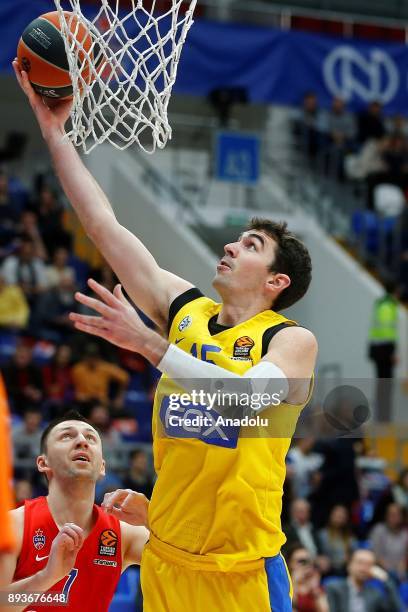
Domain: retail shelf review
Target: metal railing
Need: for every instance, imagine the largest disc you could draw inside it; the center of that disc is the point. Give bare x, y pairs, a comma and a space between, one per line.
283, 15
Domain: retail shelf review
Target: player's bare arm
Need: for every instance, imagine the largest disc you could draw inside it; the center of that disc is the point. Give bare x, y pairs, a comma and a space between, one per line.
64, 550
292, 351
149, 286
133, 543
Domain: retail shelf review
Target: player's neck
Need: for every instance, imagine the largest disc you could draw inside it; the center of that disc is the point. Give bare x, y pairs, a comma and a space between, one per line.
232, 314
72, 503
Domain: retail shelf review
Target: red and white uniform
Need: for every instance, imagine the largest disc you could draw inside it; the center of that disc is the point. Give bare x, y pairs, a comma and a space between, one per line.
92, 582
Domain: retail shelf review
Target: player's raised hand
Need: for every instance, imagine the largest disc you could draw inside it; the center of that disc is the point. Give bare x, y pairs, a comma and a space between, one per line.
64, 550
128, 506
51, 115
118, 322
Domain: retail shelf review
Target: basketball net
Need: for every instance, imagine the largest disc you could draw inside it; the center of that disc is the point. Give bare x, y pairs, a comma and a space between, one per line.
133, 62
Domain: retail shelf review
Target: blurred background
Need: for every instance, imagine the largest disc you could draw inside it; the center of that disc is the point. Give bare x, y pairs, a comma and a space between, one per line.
295, 111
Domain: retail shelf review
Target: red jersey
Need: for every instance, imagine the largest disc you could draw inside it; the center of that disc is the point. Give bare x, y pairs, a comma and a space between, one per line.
91, 584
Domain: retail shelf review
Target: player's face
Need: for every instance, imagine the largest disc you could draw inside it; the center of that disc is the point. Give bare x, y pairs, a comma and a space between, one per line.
246, 263
74, 450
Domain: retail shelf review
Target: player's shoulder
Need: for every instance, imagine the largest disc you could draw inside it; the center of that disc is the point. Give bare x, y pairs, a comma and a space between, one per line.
17, 519
296, 335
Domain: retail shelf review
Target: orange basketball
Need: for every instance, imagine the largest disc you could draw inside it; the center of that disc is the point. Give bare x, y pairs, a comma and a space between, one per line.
41, 53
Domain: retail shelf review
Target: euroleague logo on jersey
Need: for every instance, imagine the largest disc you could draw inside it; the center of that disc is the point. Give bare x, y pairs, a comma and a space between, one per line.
108, 542
185, 323
242, 348
39, 539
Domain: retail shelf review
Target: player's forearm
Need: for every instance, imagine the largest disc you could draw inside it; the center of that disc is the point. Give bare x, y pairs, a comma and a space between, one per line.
38, 583
197, 375
82, 190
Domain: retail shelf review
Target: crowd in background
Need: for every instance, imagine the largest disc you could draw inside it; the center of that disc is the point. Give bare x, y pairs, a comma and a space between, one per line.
370, 152
47, 366
346, 527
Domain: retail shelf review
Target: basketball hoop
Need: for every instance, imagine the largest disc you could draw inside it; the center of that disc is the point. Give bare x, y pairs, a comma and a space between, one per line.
133, 59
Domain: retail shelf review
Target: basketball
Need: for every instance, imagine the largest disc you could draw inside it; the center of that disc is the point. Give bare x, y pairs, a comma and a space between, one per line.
41, 53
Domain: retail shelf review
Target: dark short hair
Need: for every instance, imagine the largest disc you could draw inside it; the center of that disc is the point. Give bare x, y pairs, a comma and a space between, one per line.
289, 551
291, 258
72, 415
137, 452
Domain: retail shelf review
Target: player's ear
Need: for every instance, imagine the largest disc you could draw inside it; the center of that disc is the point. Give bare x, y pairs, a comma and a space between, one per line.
278, 281
42, 465
102, 473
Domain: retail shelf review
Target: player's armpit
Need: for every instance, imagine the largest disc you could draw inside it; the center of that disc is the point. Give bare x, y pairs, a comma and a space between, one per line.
133, 542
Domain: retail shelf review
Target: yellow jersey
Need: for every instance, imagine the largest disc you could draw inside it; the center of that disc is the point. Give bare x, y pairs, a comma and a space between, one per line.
219, 489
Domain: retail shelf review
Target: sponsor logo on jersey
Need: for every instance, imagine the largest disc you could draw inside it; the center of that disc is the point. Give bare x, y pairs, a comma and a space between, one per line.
242, 348
41, 558
108, 543
39, 539
105, 562
185, 323
207, 430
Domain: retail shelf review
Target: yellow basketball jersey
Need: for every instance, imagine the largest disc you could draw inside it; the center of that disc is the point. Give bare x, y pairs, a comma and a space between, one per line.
217, 493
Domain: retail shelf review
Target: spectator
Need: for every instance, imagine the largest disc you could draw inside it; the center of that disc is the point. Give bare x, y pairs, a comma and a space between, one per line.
29, 227
50, 220
53, 322
59, 270
14, 310
400, 490
57, 378
368, 161
92, 377
355, 594
308, 594
100, 418
27, 435
23, 380
338, 481
302, 466
311, 125
29, 273
341, 124
394, 154
9, 213
390, 542
397, 125
337, 541
342, 132
23, 489
301, 530
370, 123
138, 477
383, 341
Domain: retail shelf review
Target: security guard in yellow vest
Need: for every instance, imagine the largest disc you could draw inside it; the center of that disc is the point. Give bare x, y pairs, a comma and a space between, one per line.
383, 344
384, 335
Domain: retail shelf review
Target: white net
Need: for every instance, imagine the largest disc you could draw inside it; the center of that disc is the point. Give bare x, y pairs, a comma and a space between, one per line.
123, 68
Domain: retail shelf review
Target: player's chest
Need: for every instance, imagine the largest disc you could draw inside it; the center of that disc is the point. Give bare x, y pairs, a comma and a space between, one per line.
234, 350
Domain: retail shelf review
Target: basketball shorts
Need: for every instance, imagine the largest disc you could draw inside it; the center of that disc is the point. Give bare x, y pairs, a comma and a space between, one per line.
176, 581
